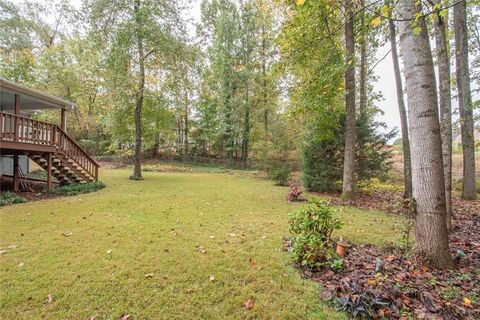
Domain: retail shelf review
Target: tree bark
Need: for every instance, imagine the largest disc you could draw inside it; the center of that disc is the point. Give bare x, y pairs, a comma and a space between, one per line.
137, 171
431, 235
407, 164
348, 191
363, 88
465, 104
363, 65
443, 61
264, 81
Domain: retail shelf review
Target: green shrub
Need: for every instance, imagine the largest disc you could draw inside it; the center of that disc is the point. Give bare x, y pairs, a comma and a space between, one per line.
311, 227
77, 188
374, 185
280, 175
323, 153
8, 198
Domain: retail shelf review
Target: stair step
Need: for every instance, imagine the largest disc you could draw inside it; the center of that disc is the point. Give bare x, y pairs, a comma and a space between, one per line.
64, 169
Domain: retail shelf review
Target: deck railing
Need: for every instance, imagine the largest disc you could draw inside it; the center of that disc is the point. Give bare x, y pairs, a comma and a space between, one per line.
21, 129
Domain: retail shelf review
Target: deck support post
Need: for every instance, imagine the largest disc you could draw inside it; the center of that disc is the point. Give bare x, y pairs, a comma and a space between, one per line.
16, 177
49, 170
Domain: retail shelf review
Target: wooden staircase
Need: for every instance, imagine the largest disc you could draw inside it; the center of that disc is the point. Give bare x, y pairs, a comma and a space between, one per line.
43, 142
65, 170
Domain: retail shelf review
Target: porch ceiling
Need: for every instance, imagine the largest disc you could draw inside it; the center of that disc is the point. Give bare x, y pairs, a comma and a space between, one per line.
30, 99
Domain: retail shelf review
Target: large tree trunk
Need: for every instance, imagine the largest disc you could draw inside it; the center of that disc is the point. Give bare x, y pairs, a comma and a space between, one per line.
137, 170
407, 164
431, 235
350, 134
443, 61
465, 104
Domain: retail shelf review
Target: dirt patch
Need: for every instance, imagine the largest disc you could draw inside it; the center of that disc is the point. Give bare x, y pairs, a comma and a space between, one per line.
38, 190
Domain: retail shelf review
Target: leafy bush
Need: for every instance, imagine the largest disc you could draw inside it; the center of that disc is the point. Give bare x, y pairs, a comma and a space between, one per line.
337, 264
281, 175
8, 198
311, 227
78, 188
295, 194
374, 185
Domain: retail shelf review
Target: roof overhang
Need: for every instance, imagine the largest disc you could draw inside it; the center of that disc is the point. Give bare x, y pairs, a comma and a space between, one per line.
30, 99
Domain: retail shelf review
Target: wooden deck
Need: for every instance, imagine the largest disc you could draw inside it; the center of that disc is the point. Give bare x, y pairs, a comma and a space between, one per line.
49, 146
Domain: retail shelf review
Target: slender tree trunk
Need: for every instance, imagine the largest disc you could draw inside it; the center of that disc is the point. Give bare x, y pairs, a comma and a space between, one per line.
246, 128
350, 134
186, 124
407, 164
363, 65
137, 171
465, 104
230, 143
363, 88
264, 81
443, 61
431, 235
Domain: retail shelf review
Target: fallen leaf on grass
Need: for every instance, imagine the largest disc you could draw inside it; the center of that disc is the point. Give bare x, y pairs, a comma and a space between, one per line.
67, 234
231, 235
50, 297
202, 250
124, 317
149, 275
92, 318
12, 246
109, 251
248, 304
211, 278
253, 264
21, 264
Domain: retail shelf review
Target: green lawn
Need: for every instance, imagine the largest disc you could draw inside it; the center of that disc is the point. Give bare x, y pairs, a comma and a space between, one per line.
93, 252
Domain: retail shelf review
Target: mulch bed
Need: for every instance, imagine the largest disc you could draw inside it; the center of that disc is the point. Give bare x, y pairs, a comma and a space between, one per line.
38, 193
405, 288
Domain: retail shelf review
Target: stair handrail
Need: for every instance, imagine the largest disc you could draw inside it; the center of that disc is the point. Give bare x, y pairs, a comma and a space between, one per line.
60, 140
63, 139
